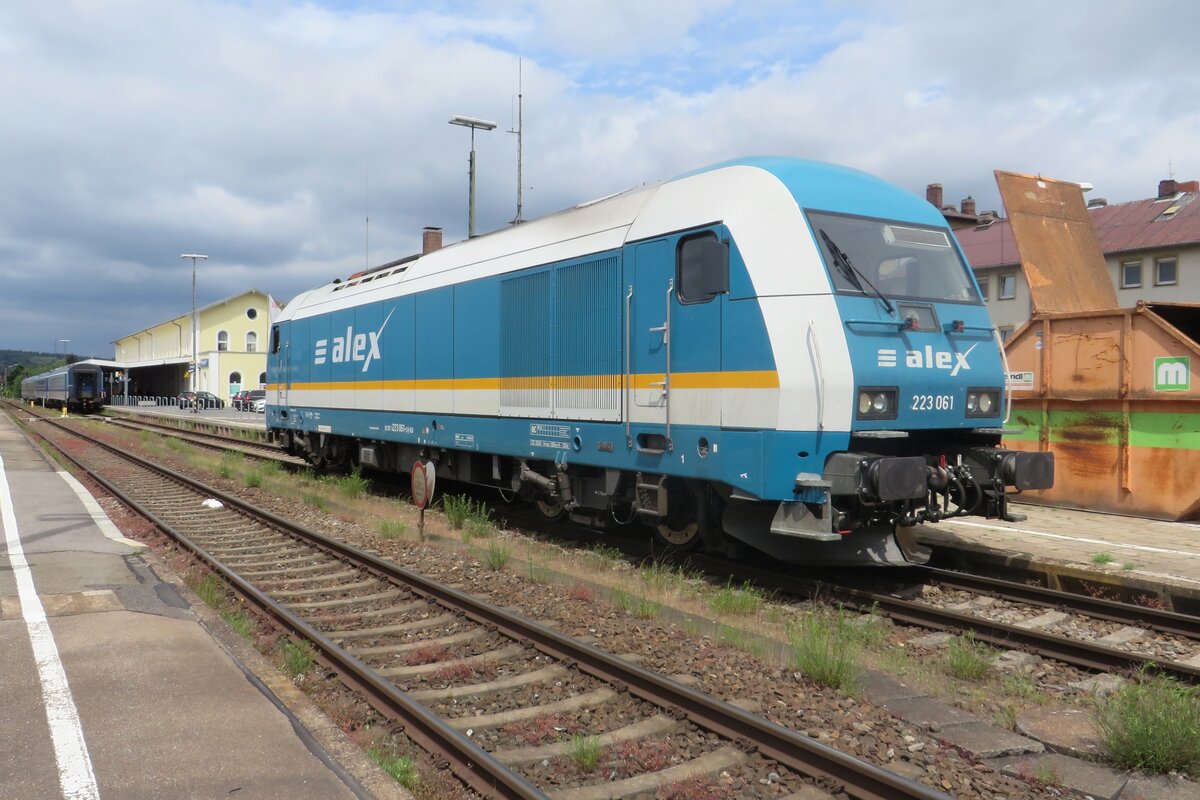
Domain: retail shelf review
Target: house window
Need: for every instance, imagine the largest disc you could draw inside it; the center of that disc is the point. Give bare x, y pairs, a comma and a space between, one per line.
1131, 274
1005, 332
1166, 271
984, 287
262, 380
251, 313
235, 381
251, 342
222, 340
1008, 287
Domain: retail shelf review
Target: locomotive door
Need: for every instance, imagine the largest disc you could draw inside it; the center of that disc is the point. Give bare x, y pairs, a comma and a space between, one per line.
675, 347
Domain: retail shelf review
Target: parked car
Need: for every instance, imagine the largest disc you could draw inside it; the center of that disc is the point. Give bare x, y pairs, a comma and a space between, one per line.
199, 399
260, 405
244, 400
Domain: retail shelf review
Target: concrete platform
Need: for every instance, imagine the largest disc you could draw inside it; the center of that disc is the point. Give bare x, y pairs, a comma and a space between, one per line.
109, 684
1068, 545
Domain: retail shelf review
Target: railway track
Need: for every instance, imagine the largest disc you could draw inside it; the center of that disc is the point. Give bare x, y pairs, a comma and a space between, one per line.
420, 652
210, 440
1047, 610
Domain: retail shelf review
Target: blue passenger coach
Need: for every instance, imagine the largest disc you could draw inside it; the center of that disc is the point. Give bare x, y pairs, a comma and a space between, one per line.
77, 387
772, 352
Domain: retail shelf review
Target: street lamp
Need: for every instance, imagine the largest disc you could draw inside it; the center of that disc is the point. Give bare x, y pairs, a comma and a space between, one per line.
64, 343
473, 124
194, 257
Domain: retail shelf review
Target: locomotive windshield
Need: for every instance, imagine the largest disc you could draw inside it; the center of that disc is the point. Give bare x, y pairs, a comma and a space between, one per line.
892, 259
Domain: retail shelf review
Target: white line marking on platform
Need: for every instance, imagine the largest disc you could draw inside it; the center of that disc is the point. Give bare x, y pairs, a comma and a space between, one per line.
75, 775
101, 519
1104, 542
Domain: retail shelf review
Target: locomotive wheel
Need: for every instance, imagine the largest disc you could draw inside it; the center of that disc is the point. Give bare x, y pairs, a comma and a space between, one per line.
679, 539
550, 509
679, 530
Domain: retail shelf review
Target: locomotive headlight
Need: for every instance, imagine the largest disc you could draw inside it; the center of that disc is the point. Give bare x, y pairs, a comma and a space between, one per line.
877, 403
983, 402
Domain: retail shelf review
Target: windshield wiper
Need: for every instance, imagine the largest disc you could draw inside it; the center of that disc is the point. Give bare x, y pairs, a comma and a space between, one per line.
853, 273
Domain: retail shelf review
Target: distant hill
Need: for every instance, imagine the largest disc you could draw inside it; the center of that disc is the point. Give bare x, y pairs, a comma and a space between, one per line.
19, 364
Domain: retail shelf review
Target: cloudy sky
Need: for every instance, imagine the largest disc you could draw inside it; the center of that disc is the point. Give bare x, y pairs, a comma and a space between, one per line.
266, 133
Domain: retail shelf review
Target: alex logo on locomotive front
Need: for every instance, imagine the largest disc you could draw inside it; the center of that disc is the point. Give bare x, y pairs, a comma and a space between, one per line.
352, 347
927, 358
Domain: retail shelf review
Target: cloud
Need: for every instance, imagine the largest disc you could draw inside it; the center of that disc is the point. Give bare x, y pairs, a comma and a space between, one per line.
265, 133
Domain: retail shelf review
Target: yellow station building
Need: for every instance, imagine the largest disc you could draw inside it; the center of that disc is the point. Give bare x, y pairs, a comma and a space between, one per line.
153, 365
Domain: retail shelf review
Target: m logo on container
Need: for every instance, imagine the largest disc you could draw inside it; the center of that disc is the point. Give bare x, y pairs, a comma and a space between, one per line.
1172, 374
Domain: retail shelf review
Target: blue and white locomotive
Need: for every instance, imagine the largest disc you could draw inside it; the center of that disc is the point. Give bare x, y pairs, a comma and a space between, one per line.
774, 352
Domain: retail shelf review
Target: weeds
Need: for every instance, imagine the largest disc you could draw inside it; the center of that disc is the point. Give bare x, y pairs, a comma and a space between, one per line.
1102, 558
460, 508
638, 606
253, 479
241, 623
352, 485
316, 501
535, 572
968, 659
602, 557
822, 649
297, 657
584, 751
1129, 566
659, 576
425, 654
741, 640
393, 528
474, 528
497, 556
1150, 724
402, 768
738, 601
210, 590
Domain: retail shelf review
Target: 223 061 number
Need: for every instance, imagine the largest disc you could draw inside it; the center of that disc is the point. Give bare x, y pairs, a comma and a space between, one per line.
933, 402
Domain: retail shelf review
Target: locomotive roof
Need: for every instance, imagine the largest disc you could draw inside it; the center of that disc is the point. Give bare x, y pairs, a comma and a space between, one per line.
607, 223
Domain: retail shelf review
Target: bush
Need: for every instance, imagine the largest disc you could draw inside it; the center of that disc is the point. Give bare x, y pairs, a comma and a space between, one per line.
1150, 724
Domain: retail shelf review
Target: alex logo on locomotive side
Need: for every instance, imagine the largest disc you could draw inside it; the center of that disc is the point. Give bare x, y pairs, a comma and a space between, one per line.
353, 346
926, 358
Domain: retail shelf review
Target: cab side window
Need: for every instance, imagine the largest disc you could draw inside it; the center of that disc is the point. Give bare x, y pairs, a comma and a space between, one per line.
701, 268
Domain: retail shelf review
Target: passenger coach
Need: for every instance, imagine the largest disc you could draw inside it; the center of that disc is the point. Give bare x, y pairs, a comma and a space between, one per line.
78, 387
773, 352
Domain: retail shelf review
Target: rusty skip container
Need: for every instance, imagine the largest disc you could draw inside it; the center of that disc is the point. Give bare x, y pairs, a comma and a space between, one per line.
1113, 394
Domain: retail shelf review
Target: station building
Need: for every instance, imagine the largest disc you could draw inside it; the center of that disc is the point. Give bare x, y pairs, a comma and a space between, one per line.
1151, 247
153, 365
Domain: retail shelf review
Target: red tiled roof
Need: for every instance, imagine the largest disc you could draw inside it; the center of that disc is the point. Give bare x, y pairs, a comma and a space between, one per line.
1124, 227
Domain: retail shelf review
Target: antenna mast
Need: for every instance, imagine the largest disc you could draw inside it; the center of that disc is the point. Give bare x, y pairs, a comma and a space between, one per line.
520, 149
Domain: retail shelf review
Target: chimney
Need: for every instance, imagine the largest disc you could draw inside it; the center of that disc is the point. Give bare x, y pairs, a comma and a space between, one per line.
933, 193
1189, 186
1168, 187
431, 239
1097, 202
968, 206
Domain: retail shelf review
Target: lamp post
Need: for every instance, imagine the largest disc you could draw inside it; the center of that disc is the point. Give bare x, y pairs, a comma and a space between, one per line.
195, 365
64, 343
473, 124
